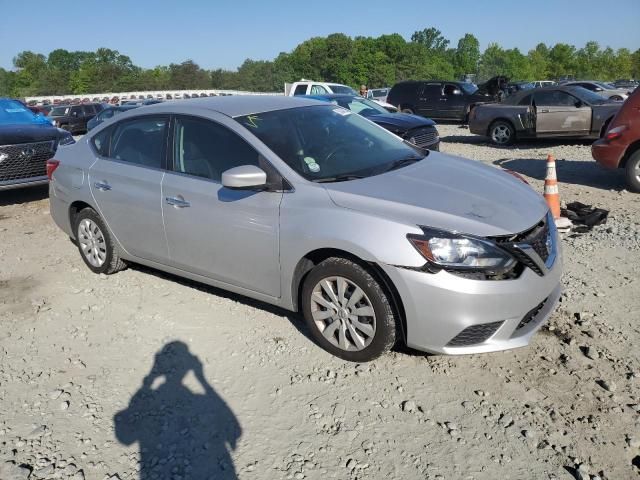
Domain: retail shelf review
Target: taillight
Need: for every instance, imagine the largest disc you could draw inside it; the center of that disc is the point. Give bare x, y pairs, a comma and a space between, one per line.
52, 164
615, 132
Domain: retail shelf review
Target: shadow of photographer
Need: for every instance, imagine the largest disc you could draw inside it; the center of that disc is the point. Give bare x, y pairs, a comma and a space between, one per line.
181, 434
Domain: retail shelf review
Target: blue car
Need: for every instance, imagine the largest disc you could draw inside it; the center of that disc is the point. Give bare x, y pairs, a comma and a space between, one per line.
416, 130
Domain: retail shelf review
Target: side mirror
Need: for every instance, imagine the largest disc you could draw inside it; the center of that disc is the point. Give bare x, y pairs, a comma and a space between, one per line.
598, 89
244, 176
457, 91
579, 104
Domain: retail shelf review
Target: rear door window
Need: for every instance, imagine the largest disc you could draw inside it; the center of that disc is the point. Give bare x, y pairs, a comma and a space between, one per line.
432, 90
140, 141
554, 98
300, 90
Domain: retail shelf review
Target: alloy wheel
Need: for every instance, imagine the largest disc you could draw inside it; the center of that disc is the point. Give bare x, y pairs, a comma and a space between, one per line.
92, 242
343, 313
501, 134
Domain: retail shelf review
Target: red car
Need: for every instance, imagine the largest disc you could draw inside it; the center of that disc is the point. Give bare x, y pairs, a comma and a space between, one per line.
619, 147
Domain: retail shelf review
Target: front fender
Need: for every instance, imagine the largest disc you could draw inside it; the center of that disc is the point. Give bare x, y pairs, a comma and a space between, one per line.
305, 228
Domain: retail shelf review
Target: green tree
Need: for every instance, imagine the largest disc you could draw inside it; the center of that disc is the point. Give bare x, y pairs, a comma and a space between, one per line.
431, 38
467, 56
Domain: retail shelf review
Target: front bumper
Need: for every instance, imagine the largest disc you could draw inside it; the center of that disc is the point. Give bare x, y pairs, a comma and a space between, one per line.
24, 182
502, 314
608, 154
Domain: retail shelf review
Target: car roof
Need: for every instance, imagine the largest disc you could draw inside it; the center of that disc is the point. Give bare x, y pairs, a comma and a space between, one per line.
234, 105
332, 96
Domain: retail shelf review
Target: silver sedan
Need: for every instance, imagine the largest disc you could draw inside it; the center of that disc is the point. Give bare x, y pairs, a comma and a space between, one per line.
304, 205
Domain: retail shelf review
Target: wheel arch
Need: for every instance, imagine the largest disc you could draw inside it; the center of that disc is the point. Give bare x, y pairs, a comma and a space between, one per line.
631, 149
74, 209
314, 257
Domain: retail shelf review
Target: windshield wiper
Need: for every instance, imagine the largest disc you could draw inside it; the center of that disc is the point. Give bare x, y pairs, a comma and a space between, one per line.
403, 162
339, 178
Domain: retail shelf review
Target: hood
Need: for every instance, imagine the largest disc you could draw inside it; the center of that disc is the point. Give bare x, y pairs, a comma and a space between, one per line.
37, 132
446, 192
401, 121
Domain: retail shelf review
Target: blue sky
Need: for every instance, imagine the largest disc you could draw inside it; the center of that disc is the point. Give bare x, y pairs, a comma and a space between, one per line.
224, 33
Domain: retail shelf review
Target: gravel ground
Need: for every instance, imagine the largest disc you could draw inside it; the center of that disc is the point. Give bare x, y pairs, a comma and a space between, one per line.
144, 375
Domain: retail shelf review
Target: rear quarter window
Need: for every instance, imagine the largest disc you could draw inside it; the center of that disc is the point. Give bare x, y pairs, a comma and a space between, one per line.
101, 140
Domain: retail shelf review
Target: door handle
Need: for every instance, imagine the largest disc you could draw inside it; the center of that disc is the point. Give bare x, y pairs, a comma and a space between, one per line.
443, 99
544, 110
177, 202
102, 186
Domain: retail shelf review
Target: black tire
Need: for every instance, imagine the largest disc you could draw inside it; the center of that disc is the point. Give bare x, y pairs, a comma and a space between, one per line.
632, 172
408, 110
616, 98
505, 127
384, 320
112, 262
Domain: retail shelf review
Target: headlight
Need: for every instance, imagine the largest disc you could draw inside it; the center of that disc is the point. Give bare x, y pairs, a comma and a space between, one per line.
461, 252
66, 139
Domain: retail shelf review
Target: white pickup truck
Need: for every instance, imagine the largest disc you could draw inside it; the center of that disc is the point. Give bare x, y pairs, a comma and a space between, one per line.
308, 87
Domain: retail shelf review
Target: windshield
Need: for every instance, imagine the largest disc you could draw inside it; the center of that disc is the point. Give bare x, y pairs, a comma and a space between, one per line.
343, 89
469, 88
359, 105
14, 113
59, 111
587, 95
326, 142
606, 86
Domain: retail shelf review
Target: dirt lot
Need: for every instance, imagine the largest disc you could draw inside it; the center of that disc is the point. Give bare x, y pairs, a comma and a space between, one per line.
246, 394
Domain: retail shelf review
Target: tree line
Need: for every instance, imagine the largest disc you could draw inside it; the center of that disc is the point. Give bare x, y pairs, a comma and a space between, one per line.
375, 62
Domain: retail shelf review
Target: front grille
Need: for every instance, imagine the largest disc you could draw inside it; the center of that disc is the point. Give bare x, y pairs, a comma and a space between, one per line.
531, 315
423, 137
536, 237
25, 160
474, 334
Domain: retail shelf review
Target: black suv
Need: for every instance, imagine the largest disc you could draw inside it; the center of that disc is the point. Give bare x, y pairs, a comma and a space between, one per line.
74, 118
443, 100
27, 141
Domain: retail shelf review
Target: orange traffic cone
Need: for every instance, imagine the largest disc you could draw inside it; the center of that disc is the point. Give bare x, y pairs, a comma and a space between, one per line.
551, 194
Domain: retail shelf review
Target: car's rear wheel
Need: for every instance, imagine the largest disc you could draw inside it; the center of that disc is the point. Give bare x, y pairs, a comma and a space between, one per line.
95, 243
632, 170
347, 311
502, 133
408, 110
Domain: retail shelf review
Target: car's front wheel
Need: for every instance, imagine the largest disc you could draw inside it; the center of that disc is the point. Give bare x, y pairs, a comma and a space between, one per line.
502, 133
632, 171
95, 243
347, 311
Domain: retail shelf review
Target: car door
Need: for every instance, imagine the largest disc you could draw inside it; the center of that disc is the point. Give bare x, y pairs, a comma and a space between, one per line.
125, 182
429, 99
558, 112
75, 121
228, 235
453, 103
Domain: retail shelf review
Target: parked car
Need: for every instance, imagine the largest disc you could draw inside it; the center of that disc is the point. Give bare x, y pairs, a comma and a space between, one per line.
543, 112
442, 100
27, 141
308, 87
108, 113
543, 83
414, 129
605, 90
513, 87
74, 118
626, 84
619, 145
300, 204
378, 94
